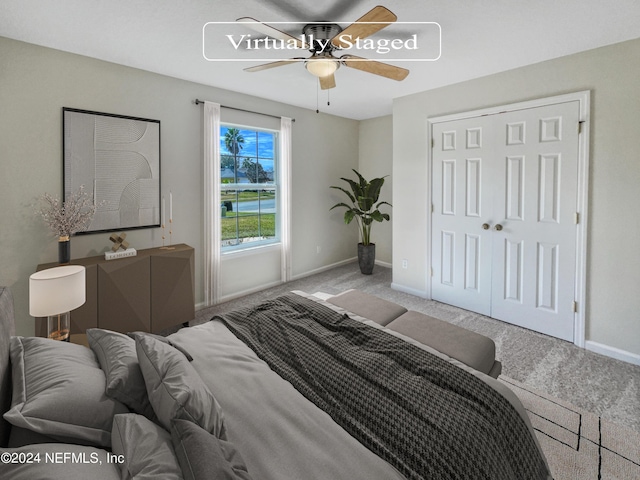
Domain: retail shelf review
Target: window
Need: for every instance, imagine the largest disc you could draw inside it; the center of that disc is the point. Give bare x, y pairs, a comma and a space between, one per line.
280, 184
248, 187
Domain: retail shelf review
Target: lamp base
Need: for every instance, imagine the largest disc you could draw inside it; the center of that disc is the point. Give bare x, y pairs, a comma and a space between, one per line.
59, 327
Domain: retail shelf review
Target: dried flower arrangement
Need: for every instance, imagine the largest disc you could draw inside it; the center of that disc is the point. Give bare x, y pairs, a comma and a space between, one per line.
65, 219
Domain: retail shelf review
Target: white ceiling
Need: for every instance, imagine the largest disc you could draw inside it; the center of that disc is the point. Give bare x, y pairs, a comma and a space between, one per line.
479, 37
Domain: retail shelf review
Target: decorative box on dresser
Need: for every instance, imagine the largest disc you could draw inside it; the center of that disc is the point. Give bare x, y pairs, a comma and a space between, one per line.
150, 292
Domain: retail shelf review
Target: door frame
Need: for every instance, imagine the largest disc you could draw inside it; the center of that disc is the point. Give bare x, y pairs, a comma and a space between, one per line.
582, 201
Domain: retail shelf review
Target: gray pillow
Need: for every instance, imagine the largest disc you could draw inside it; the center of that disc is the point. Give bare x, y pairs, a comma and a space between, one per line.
118, 359
163, 340
174, 387
144, 448
202, 456
59, 391
94, 464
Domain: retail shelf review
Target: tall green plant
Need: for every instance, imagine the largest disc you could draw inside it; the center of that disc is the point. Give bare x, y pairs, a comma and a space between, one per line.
364, 206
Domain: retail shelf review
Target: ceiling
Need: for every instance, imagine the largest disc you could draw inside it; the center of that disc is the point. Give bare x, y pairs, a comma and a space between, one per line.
478, 38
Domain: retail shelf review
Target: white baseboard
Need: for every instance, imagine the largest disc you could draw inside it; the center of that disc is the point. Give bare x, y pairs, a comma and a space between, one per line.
323, 269
383, 264
249, 291
409, 290
233, 296
226, 298
613, 352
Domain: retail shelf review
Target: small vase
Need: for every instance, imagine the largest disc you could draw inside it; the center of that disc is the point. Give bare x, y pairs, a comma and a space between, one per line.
64, 249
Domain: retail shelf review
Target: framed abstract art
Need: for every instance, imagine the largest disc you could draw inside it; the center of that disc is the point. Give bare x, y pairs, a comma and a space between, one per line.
117, 160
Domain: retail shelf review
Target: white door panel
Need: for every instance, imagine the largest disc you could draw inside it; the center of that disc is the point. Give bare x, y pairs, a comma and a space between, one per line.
461, 249
539, 216
515, 173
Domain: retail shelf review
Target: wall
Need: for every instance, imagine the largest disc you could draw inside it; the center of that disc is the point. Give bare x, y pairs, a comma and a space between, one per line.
613, 273
376, 159
36, 82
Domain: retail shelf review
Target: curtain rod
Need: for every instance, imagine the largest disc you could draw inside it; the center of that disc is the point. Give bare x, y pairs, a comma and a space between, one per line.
198, 102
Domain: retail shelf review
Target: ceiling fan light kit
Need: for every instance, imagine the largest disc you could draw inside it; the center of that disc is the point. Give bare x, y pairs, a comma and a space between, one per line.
321, 66
322, 39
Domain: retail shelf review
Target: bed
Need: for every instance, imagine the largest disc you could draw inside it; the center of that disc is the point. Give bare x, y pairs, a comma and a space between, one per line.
294, 388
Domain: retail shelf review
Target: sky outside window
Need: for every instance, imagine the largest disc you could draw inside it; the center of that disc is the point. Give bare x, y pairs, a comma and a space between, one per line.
256, 144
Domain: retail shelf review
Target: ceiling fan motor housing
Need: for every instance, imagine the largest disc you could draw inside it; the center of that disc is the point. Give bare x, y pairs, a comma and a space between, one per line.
323, 38
320, 31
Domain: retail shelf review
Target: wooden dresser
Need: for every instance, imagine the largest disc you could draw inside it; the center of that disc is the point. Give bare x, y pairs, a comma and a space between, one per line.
150, 292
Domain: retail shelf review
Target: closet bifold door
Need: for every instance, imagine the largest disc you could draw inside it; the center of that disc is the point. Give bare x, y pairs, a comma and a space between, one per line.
534, 254
462, 216
504, 189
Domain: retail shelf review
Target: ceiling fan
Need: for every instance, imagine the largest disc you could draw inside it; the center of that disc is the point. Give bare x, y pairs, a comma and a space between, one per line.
327, 38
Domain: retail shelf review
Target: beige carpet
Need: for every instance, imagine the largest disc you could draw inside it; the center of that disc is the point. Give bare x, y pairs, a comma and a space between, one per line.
579, 445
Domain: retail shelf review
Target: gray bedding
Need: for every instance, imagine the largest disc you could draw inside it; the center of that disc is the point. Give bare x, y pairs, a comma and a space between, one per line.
423, 415
278, 432
7, 329
277, 445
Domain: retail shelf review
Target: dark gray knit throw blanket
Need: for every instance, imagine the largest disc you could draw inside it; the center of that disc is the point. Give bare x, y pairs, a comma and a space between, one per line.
426, 417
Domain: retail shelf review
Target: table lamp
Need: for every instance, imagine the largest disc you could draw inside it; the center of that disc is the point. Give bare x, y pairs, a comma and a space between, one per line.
53, 293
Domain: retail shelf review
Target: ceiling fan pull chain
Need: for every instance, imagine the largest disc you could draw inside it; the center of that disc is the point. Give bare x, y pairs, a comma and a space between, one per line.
328, 98
317, 97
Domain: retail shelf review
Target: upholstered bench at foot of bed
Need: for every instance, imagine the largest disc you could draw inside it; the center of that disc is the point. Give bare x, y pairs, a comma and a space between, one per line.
373, 308
468, 347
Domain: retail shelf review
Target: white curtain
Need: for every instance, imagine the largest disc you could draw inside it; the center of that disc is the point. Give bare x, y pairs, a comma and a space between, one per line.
285, 196
212, 215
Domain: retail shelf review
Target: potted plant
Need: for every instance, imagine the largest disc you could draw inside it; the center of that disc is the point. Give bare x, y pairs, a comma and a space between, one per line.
364, 208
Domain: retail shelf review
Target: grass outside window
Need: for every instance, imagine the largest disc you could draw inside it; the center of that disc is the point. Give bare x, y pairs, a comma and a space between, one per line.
247, 225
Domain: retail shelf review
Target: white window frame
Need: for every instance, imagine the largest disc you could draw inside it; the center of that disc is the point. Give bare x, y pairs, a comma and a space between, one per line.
231, 249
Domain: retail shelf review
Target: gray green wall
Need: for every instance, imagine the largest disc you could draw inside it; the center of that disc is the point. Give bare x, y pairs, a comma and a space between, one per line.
376, 160
613, 274
36, 82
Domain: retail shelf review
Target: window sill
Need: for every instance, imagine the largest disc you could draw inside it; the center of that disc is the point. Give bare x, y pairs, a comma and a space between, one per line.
252, 250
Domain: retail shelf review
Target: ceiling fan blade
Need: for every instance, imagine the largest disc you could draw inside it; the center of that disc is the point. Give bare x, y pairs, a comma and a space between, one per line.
377, 68
380, 15
327, 82
279, 63
271, 32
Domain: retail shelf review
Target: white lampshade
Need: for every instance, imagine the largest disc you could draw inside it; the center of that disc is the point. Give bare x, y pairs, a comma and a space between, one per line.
321, 67
56, 290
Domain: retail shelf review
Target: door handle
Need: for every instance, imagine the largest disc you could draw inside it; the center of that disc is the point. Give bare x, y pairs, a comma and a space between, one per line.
498, 227
486, 226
